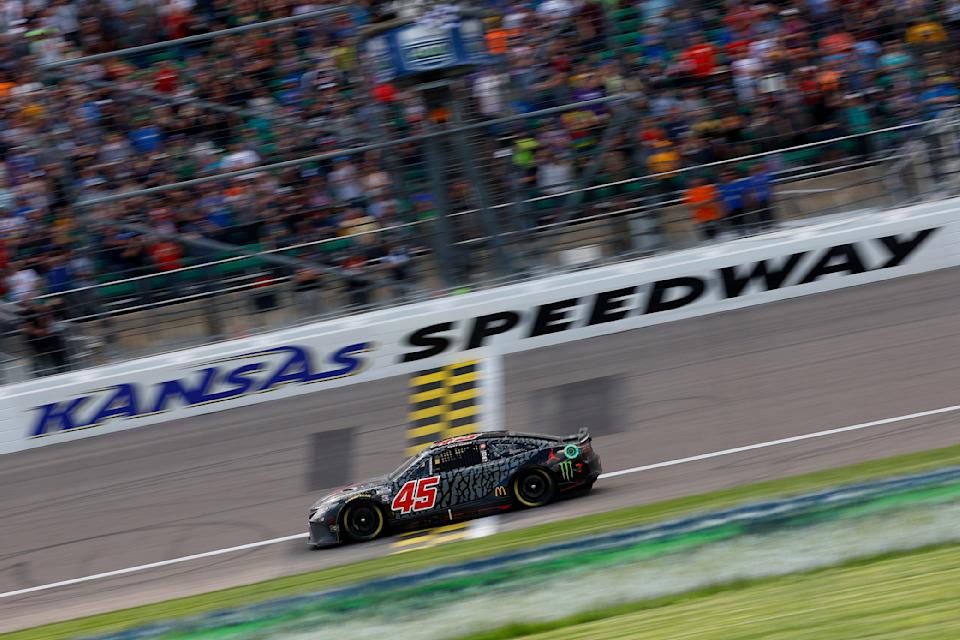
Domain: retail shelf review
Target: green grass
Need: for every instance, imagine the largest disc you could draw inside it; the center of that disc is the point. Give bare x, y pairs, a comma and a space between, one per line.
499, 543
903, 596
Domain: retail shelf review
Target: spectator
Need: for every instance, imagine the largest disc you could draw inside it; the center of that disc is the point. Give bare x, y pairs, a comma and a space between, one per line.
758, 197
23, 282
663, 162
43, 337
713, 82
940, 94
307, 287
554, 173
732, 190
358, 279
925, 32
704, 200
397, 261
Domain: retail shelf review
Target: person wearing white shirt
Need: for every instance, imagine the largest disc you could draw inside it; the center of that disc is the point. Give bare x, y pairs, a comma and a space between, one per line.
555, 9
22, 283
488, 88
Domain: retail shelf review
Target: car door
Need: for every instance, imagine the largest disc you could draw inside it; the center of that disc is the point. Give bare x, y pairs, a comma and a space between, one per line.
466, 475
415, 492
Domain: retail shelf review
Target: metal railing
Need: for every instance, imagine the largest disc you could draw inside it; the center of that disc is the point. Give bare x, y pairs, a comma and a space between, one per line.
239, 295
447, 203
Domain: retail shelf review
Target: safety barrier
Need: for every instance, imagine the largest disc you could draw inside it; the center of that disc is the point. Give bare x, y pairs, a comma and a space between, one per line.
824, 256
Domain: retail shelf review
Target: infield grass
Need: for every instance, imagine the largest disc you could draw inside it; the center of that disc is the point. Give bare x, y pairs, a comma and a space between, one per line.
498, 543
905, 596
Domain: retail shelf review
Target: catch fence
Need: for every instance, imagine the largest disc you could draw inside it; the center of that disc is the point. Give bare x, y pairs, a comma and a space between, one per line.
272, 203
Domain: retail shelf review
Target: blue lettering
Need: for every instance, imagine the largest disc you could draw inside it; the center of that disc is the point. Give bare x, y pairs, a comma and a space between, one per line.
57, 416
188, 395
124, 400
296, 369
348, 360
239, 381
123, 403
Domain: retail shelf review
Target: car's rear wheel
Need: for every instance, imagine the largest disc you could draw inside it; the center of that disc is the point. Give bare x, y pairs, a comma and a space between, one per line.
534, 487
362, 521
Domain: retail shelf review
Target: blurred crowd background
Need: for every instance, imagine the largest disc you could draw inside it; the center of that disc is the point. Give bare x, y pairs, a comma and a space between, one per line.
702, 82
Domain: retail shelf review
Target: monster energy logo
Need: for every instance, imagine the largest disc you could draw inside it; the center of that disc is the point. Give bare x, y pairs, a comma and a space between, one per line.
566, 470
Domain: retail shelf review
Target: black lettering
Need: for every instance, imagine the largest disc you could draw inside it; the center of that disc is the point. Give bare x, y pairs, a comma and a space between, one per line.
552, 318
901, 250
842, 258
608, 306
658, 302
491, 325
433, 345
773, 278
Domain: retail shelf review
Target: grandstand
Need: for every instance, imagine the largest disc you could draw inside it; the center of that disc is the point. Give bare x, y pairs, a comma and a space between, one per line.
175, 172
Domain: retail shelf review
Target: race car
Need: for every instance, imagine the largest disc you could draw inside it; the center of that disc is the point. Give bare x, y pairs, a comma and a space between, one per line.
457, 479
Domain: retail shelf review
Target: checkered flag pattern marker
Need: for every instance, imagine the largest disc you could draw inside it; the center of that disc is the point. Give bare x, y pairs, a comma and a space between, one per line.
444, 402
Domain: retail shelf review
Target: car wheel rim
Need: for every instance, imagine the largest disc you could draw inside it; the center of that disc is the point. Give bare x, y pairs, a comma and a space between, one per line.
533, 487
363, 521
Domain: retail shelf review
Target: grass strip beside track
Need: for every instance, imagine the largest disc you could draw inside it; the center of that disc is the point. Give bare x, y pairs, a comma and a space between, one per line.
499, 543
903, 596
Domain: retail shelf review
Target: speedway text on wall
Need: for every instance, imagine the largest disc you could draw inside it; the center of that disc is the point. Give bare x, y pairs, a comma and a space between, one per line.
546, 312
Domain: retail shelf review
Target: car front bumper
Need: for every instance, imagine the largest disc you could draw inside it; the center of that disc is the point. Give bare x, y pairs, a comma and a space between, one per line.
322, 534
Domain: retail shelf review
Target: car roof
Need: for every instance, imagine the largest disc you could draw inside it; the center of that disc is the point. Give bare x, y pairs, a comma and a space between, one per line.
490, 435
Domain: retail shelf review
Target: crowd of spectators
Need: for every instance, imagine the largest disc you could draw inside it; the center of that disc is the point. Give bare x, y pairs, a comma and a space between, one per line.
709, 80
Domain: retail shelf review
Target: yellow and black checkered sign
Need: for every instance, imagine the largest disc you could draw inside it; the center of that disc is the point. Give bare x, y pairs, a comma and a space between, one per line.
444, 403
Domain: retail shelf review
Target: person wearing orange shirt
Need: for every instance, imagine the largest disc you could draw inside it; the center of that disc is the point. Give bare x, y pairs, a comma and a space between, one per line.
704, 200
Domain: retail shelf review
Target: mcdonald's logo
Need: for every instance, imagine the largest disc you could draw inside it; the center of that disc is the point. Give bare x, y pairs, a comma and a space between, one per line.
501, 492
566, 470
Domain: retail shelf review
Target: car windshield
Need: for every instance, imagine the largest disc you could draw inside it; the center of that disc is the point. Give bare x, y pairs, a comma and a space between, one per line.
406, 466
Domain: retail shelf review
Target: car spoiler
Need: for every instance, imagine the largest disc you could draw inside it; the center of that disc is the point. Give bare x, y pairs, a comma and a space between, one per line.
582, 437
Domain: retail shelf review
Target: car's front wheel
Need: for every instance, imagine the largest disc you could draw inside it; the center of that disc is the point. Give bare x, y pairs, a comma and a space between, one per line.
362, 521
534, 487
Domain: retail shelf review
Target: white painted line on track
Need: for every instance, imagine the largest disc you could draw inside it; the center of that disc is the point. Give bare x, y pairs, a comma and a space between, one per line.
773, 443
152, 565
611, 474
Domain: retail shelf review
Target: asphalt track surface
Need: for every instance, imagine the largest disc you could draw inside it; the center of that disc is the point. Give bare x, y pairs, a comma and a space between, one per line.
661, 393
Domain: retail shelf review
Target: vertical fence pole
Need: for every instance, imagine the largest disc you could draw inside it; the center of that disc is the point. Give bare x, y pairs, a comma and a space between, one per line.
448, 262
502, 262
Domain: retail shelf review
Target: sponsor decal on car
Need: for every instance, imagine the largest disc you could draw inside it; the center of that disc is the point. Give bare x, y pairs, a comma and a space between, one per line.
224, 379
416, 495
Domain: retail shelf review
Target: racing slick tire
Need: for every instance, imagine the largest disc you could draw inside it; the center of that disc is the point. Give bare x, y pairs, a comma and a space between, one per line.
534, 488
362, 520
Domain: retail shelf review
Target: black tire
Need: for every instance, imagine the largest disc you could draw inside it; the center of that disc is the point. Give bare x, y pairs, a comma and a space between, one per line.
362, 520
534, 488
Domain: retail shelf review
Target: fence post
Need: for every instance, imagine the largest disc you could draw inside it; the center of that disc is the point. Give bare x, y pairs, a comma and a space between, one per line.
502, 263
448, 263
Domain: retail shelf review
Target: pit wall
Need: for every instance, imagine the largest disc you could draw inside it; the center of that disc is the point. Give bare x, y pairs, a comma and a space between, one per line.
816, 258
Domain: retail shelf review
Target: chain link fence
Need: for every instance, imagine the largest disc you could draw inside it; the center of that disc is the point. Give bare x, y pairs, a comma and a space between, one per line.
215, 192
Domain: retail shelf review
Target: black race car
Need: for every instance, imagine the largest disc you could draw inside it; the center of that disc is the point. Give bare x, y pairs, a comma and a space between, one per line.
456, 479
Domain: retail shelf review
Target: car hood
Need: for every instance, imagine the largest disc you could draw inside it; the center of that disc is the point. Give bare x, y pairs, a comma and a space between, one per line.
350, 490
